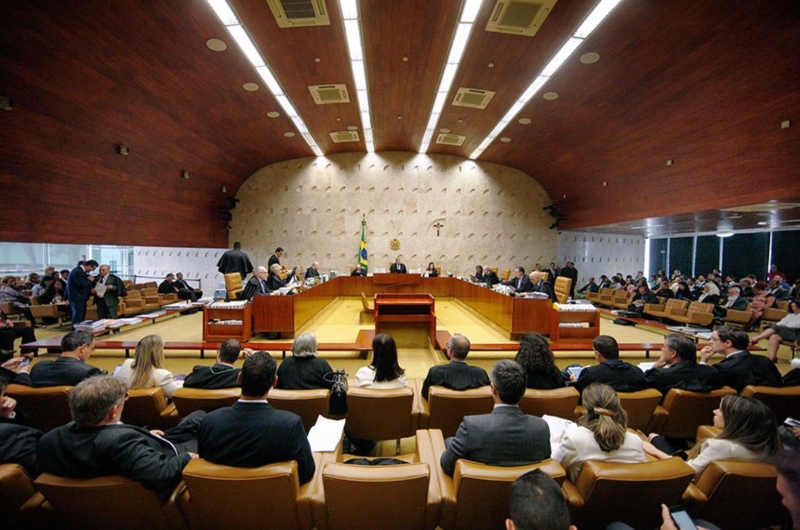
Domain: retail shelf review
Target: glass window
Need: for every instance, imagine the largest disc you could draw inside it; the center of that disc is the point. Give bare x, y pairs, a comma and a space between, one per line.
21, 258
785, 249
680, 255
658, 256
743, 254
706, 255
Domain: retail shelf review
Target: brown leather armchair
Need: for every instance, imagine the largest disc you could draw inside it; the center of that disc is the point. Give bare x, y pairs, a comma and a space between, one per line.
559, 402
682, 411
639, 405
233, 285
17, 494
783, 401
561, 288
698, 313
724, 488
445, 408
188, 400
308, 404
46, 407
632, 493
215, 496
671, 306
381, 414
106, 502
148, 407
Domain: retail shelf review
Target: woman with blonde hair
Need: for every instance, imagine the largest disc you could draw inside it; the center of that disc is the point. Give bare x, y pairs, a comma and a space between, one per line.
146, 369
600, 434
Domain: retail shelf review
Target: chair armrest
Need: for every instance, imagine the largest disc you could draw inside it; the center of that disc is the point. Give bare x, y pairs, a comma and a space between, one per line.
701, 318
447, 489
649, 308
170, 412
181, 500
659, 419
574, 498
693, 497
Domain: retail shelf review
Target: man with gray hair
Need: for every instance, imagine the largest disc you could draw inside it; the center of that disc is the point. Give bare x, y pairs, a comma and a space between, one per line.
677, 368
96, 443
456, 374
257, 284
507, 436
312, 271
71, 368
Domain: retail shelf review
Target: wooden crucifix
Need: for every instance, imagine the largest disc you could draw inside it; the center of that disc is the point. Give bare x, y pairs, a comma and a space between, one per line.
438, 226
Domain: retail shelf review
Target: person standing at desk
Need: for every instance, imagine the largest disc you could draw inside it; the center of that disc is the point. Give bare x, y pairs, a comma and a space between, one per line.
275, 258
79, 288
398, 267
107, 291
235, 260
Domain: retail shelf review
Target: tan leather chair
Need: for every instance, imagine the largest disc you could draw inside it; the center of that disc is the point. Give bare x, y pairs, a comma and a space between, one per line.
134, 303
561, 288
233, 285
737, 318
446, 408
148, 407
188, 400
622, 299
308, 404
632, 493
506, 275
607, 297
698, 313
559, 402
381, 414
365, 303
16, 491
214, 496
682, 411
783, 401
639, 405
107, 502
476, 496
736, 495
46, 407
671, 306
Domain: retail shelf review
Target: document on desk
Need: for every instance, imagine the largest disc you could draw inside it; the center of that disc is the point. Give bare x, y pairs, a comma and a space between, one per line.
325, 435
557, 426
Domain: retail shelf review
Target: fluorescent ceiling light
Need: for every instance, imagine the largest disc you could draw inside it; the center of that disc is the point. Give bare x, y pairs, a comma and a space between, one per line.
459, 43
438, 104
596, 17
223, 11
359, 75
269, 79
246, 45
725, 234
366, 121
561, 56
447, 77
355, 48
470, 10
352, 31
288, 108
349, 9
533, 88
363, 100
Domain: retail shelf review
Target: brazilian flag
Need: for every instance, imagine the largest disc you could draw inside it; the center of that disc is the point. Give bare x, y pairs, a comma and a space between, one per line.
362, 251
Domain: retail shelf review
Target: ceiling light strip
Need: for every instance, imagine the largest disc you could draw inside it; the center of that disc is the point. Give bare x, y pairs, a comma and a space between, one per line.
355, 47
601, 10
237, 31
469, 12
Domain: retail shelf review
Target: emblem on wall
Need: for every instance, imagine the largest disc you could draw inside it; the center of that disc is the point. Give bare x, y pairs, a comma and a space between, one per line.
394, 244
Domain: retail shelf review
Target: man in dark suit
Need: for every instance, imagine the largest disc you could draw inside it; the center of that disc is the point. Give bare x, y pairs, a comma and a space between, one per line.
170, 286
677, 368
275, 258
108, 301
257, 285
739, 368
507, 436
17, 442
252, 433
735, 301
520, 282
235, 260
621, 376
180, 283
553, 271
539, 285
489, 276
643, 296
70, 368
570, 272
97, 444
222, 374
591, 287
312, 271
457, 374
398, 266
79, 288
9, 331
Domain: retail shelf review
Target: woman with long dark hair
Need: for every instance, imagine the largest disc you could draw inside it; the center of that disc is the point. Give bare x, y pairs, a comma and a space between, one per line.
535, 357
384, 370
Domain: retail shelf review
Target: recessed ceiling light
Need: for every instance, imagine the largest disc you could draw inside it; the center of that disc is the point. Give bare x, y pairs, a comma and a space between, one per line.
550, 96
725, 234
273, 114
250, 87
762, 223
590, 58
352, 128
317, 59
444, 131
289, 134
505, 139
525, 121
405, 59
216, 45
185, 175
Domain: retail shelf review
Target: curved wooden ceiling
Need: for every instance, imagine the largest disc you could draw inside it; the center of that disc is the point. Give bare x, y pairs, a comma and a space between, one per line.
705, 85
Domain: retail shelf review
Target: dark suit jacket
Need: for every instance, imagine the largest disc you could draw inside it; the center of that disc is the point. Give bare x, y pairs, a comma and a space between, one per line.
520, 287
111, 297
79, 284
235, 261
490, 277
743, 368
63, 371
506, 437
211, 377
398, 268
457, 375
253, 287
544, 287
18, 446
255, 434
87, 452
272, 261
274, 282
311, 272
686, 376
304, 373
621, 376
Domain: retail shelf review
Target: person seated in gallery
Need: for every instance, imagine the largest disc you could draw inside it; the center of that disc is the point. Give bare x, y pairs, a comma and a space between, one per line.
663, 290
146, 369
457, 374
760, 301
274, 281
684, 292
710, 294
183, 284
611, 370
17, 441
30, 282
643, 296
257, 285
739, 367
787, 329
536, 501
9, 293
535, 356
677, 367
398, 266
169, 286
591, 287
384, 371
71, 367
223, 374
40, 287
735, 301
11, 331
304, 370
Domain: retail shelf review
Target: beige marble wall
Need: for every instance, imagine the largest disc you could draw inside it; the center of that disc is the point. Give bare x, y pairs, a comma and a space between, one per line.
312, 207
595, 254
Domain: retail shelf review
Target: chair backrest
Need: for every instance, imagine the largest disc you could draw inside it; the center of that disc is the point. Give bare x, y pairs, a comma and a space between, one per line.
608, 489
784, 402
46, 407
448, 407
234, 497
562, 287
144, 407
233, 281
188, 400
103, 502
729, 486
559, 402
688, 410
506, 275
482, 491
368, 307
546, 276
308, 404
133, 295
675, 306
700, 307
380, 414
15, 490
640, 406
386, 497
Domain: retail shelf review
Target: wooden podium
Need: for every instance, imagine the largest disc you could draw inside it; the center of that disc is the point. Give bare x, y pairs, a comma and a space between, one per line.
394, 310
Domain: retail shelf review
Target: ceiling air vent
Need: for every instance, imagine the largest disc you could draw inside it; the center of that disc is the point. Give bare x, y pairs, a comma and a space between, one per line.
299, 13
473, 98
344, 136
324, 94
450, 139
519, 17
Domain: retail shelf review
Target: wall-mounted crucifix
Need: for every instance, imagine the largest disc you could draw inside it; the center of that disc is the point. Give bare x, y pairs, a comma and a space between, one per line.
438, 226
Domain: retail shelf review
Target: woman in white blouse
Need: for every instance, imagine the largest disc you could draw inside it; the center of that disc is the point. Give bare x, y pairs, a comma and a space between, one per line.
749, 433
600, 434
786, 329
384, 371
146, 369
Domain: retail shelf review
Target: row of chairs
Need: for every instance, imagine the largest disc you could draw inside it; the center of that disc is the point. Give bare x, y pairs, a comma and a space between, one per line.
416, 495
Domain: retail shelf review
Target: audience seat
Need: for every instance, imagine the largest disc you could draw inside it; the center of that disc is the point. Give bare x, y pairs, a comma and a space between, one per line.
682, 411
506, 275
784, 402
562, 288
134, 303
737, 318
233, 285
560, 402
188, 400
381, 414
215, 496
607, 297
671, 306
594, 297
106, 502
16, 492
622, 299
366, 304
631, 493
445, 408
46, 407
698, 314
147, 407
771, 315
736, 495
308, 404
639, 405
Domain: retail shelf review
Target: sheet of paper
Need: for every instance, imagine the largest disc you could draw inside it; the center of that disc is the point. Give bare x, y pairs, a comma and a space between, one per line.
325, 435
557, 426
100, 289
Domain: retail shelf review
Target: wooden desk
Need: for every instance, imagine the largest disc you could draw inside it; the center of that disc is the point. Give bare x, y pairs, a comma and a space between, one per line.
406, 308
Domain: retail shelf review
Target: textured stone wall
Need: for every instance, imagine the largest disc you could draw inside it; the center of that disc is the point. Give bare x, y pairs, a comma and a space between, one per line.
153, 264
595, 254
312, 207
